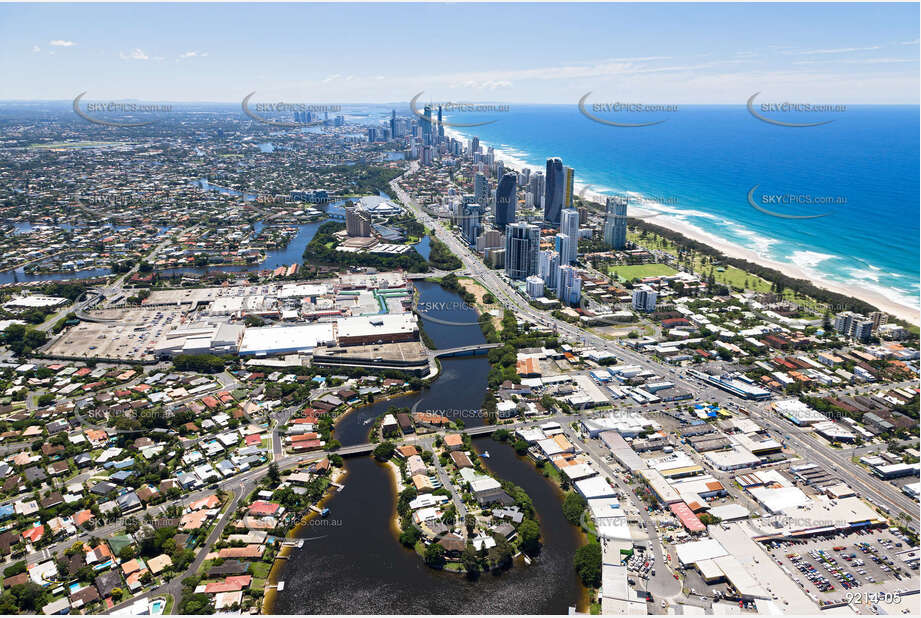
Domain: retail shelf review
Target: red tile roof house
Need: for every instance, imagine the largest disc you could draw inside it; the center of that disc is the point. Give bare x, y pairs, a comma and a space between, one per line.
261, 507
306, 445
208, 502
230, 584
34, 534
210, 401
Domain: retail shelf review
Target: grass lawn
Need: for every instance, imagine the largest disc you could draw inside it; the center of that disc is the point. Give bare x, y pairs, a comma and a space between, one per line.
260, 569
639, 271
729, 276
550, 471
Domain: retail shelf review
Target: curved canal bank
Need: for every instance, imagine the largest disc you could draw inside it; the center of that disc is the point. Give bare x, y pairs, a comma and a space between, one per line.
358, 566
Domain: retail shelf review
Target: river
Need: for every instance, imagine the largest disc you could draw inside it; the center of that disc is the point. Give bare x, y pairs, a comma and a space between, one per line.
354, 564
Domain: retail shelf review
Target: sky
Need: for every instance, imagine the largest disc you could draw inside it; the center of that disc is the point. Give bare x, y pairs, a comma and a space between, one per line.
516, 53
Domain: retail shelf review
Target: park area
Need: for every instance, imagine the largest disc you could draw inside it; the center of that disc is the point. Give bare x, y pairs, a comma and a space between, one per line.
641, 271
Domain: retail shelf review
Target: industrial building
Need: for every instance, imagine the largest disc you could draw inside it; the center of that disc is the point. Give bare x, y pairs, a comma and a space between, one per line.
274, 340
383, 328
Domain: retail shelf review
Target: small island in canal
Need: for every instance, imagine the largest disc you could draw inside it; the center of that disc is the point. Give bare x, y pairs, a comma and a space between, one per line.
450, 509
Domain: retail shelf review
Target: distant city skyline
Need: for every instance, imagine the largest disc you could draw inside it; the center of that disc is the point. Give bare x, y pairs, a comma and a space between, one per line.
385, 53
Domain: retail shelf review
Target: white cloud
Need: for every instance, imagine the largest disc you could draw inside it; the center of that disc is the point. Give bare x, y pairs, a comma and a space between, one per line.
915, 42
36, 49
840, 50
331, 78
136, 54
483, 85
860, 61
61, 43
192, 54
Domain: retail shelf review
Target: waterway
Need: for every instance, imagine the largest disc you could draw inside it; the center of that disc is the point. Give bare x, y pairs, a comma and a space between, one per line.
358, 567
424, 247
19, 275
292, 254
205, 185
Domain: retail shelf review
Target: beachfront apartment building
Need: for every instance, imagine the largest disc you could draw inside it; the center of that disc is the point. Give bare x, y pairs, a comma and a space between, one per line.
615, 222
854, 325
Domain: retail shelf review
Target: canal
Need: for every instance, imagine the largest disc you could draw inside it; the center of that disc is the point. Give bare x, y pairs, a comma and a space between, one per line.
293, 253
353, 564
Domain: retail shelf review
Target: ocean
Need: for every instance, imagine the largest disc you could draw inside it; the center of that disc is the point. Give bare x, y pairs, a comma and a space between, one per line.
702, 162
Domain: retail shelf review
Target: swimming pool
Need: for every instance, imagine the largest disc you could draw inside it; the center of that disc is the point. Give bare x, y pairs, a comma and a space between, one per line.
157, 606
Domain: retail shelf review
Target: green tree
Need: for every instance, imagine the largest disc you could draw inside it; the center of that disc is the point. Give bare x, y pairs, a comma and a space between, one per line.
587, 563
521, 447
707, 519
274, 476
15, 569
410, 536
384, 450
573, 507
529, 535
435, 556
471, 562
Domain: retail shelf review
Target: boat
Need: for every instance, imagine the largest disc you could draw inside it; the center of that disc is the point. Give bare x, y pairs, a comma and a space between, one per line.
324, 512
367, 421
486, 454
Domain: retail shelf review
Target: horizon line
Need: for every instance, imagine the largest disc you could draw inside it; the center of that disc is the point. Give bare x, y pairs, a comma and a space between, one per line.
391, 103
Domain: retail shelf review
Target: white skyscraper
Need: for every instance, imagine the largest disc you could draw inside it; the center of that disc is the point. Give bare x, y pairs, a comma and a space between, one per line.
535, 286
569, 225
548, 265
644, 298
570, 290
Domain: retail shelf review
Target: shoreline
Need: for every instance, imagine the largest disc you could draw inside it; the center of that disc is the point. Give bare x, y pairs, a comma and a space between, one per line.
278, 564
730, 249
879, 299
397, 484
583, 603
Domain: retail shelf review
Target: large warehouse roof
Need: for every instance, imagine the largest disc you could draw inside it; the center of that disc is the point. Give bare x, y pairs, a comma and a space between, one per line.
271, 340
383, 324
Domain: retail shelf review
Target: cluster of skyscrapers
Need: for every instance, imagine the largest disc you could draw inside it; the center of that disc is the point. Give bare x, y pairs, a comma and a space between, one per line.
510, 243
548, 269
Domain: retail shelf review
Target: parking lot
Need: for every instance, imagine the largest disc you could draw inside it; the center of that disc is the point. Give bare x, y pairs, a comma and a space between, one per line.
828, 568
641, 564
132, 336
